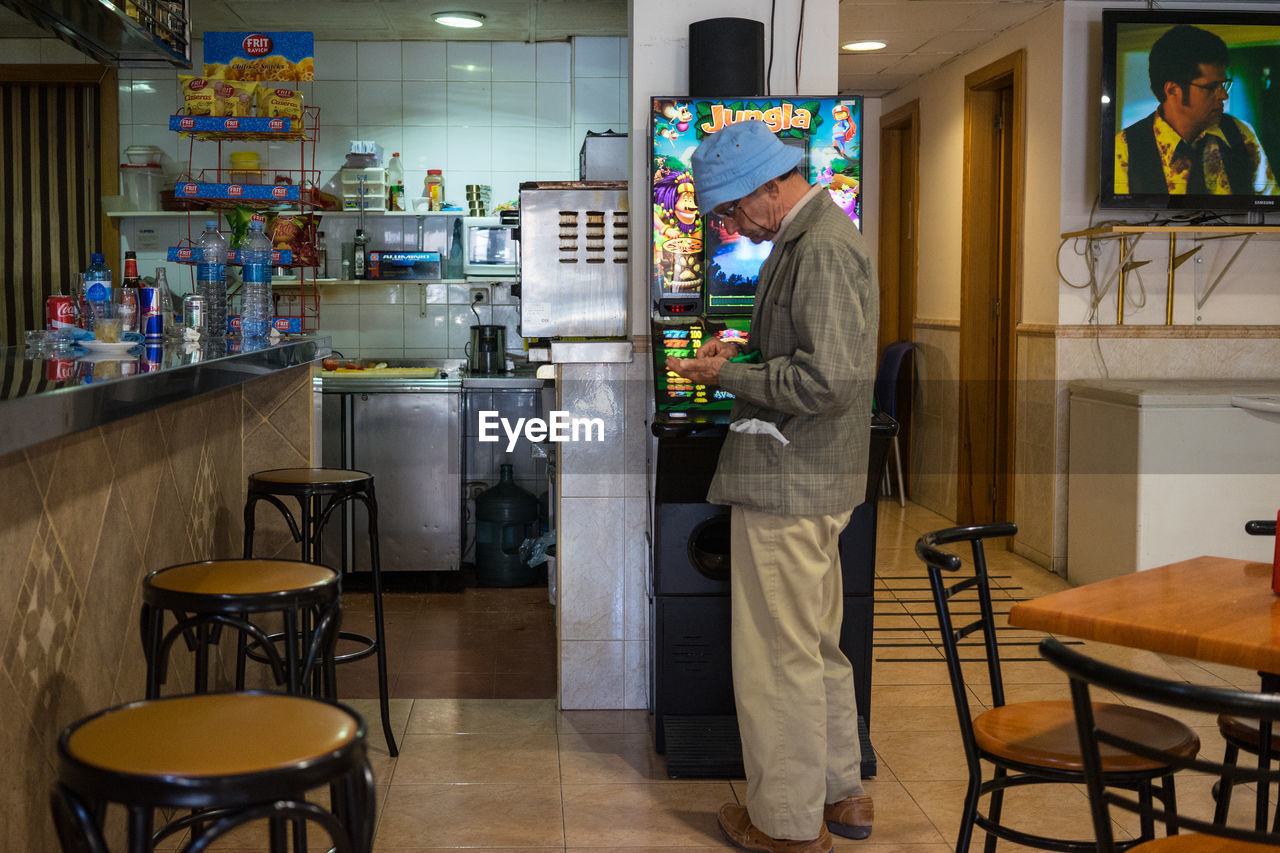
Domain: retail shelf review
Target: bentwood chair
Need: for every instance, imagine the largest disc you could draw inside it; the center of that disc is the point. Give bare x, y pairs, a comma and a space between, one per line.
1245, 734
1101, 739
1033, 742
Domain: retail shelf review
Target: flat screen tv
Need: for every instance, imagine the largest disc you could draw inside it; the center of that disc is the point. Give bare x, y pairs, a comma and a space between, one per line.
1190, 110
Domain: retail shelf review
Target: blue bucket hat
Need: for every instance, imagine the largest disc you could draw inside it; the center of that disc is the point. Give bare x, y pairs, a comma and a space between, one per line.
737, 160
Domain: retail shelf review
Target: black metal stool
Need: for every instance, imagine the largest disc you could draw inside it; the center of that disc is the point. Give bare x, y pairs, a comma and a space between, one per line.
320, 491
236, 758
208, 596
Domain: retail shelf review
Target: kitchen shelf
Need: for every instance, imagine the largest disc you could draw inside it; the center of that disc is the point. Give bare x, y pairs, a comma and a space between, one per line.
1211, 230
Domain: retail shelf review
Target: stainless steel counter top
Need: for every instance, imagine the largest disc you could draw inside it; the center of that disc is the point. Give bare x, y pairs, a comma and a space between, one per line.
48, 396
375, 381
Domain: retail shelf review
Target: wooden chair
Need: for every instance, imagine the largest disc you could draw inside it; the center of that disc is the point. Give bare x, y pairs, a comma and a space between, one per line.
1097, 733
1245, 734
1029, 742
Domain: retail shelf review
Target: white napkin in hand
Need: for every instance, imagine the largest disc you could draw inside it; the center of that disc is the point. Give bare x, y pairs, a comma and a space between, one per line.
756, 426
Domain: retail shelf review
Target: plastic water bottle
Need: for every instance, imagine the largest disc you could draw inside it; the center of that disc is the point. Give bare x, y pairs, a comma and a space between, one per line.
255, 267
97, 285
211, 280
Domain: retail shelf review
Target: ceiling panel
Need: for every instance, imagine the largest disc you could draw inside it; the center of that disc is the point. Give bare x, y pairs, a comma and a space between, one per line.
921, 34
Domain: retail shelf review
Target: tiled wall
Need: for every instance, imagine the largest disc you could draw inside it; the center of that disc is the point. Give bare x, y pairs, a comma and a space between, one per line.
86, 517
603, 538
494, 113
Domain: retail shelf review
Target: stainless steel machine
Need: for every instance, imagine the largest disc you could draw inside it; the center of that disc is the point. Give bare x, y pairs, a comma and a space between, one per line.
573, 258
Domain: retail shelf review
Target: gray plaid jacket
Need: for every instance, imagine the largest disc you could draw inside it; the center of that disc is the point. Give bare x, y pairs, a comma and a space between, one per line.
815, 323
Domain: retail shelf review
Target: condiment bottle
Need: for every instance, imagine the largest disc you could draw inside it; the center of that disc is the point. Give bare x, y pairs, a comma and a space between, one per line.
433, 189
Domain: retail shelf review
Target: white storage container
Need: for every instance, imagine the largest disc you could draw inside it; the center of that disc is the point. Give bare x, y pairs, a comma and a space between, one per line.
374, 184
140, 185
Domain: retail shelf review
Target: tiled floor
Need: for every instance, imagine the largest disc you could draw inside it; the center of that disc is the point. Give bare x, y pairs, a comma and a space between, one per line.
514, 774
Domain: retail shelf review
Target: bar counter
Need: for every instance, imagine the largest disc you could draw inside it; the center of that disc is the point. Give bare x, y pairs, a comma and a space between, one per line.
113, 467
48, 395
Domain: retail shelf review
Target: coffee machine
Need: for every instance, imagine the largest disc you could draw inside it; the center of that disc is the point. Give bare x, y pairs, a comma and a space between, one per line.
487, 350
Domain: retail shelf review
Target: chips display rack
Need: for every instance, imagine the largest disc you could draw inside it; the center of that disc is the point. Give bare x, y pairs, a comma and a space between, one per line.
288, 192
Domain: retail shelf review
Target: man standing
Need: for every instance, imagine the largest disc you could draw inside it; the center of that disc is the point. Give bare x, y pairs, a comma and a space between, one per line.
814, 329
1189, 144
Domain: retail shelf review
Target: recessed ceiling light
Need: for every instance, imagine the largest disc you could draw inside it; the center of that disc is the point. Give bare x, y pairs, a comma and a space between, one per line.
467, 20
863, 45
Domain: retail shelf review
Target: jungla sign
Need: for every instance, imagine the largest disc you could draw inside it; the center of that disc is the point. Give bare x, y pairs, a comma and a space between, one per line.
785, 116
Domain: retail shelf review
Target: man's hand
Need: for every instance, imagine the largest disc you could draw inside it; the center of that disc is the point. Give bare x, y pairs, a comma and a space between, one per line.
715, 346
703, 370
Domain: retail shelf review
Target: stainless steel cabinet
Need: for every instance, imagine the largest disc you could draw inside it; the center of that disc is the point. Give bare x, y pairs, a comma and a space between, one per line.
409, 439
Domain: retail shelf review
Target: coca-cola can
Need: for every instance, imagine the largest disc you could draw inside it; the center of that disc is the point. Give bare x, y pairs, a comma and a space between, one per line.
59, 369
152, 316
59, 313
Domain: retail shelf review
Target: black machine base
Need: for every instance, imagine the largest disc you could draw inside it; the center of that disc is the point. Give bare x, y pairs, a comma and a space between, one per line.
706, 746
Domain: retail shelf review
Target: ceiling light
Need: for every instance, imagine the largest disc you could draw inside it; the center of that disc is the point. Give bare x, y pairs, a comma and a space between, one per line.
863, 45
467, 20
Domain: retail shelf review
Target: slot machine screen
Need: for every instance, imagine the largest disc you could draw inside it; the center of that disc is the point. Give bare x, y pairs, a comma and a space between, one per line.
675, 396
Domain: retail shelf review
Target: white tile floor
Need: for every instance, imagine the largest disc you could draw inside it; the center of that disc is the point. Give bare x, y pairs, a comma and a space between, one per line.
515, 774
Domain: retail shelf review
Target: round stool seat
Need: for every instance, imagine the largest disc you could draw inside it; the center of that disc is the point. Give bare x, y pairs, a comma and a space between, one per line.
209, 596
233, 758
236, 578
222, 743
309, 476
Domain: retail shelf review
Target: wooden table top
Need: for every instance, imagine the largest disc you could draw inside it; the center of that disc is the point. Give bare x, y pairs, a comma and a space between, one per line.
1209, 608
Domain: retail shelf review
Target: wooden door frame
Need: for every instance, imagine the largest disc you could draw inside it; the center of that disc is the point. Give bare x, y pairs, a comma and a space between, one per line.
899, 151
978, 265
106, 80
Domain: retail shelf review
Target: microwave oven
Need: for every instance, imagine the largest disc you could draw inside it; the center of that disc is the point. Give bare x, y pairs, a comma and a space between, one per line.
491, 247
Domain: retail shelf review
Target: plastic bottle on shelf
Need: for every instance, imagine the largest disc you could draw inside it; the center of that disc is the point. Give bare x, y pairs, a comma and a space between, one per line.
395, 178
360, 262
322, 256
255, 268
211, 279
433, 189
454, 265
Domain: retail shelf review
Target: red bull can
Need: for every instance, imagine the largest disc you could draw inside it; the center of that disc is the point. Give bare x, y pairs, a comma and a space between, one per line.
150, 313
152, 357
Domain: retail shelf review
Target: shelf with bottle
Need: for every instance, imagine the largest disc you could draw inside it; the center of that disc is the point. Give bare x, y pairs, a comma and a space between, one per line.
120, 213
289, 194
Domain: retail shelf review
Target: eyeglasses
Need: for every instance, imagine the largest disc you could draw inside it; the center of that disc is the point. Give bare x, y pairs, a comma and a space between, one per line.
726, 215
1212, 88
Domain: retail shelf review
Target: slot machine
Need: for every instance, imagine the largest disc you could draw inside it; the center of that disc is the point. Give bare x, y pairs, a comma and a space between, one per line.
703, 283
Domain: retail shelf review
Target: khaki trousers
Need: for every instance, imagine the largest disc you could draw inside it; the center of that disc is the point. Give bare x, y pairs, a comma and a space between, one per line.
792, 684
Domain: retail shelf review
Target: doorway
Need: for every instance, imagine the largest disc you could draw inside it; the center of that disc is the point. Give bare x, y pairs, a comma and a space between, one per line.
899, 203
899, 196
990, 287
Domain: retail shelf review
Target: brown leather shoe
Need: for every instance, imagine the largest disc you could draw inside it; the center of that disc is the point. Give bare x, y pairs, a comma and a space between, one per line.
741, 832
851, 817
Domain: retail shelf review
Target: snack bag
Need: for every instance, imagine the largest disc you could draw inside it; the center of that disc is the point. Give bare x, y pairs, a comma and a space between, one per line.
233, 98
279, 103
197, 95
295, 234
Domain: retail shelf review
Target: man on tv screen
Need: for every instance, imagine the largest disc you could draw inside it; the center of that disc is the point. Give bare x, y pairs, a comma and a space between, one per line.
1190, 145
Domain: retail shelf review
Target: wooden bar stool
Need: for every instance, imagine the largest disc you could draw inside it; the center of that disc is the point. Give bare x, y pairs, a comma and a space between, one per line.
235, 758
209, 596
320, 491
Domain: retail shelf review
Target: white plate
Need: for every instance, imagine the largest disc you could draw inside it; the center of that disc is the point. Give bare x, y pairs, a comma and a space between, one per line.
102, 346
